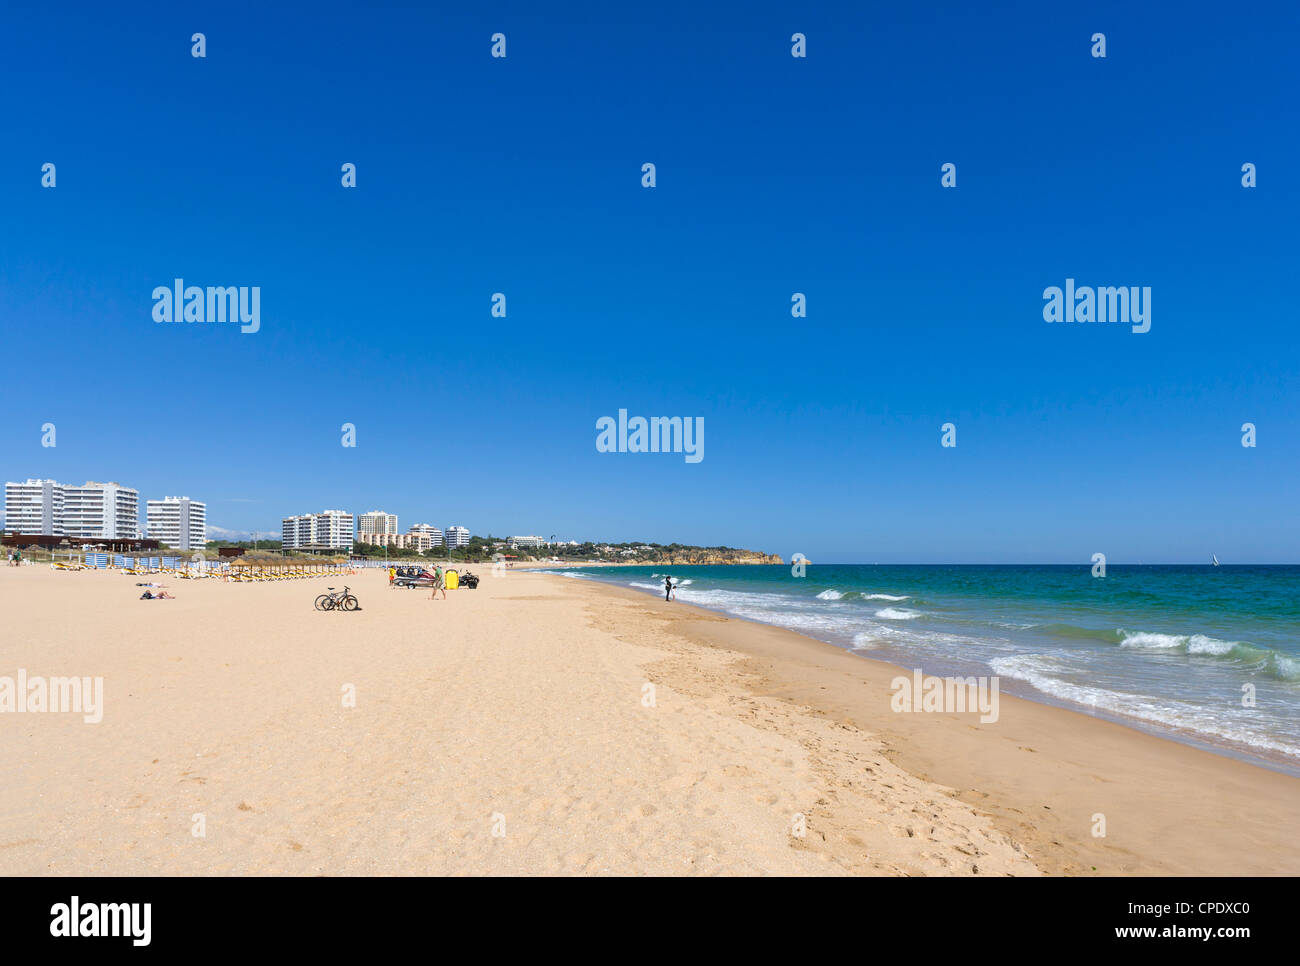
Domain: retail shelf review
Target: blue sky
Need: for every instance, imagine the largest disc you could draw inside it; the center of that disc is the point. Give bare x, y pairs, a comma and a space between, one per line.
775, 175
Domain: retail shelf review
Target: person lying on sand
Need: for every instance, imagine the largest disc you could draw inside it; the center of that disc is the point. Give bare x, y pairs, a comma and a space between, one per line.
161, 595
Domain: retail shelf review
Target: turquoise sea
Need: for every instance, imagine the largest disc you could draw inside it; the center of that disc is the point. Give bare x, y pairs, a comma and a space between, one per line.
1170, 649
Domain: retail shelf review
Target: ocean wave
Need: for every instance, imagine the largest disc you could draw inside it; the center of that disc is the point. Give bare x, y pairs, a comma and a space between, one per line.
1047, 675
833, 594
1150, 641
897, 614
1268, 662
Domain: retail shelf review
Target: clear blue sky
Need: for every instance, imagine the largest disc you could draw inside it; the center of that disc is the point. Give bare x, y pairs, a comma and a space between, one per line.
775, 175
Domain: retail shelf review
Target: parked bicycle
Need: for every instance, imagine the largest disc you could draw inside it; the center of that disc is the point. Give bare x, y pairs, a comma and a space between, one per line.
337, 600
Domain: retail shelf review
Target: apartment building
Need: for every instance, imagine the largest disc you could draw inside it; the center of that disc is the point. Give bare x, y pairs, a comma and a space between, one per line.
35, 506
177, 522
376, 522
101, 511
327, 530
412, 540
92, 511
433, 534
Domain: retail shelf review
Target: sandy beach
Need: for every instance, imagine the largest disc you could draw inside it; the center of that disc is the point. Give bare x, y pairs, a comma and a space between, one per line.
542, 725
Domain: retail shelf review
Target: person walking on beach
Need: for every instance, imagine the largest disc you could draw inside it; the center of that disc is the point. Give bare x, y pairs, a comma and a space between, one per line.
668, 588
439, 583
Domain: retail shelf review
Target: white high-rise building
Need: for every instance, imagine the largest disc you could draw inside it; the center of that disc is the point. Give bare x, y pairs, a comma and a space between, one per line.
34, 507
178, 522
433, 534
101, 511
328, 530
376, 522
92, 511
296, 532
457, 537
335, 529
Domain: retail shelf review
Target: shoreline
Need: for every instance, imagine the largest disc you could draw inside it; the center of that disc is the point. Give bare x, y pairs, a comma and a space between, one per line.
1015, 687
1185, 810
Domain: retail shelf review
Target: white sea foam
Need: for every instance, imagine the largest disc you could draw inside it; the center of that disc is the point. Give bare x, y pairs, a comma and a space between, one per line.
885, 597
897, 614
830, 595
1047, 675
1192, 644
1153, 641
565, 573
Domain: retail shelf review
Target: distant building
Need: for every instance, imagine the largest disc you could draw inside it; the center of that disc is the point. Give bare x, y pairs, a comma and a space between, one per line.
93, 511
327, 530
531, 541
375, 522
178, 522
34, 507
102, 511
415, 540
411, 541
297, 532
434, 535
457, 537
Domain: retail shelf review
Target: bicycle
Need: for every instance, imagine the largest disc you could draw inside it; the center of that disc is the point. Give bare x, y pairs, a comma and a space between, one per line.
337, 600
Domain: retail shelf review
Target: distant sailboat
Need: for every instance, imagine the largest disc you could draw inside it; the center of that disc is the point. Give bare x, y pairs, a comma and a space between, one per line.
1214, 560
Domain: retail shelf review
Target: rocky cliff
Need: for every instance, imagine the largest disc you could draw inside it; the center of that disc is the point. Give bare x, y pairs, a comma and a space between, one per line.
717, 557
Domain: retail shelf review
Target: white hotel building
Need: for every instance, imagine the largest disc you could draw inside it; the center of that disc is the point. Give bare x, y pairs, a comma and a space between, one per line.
457, 537
177, 522
34, 507
376, 523
434, 535
420, 537
101, 510
93, 511
329, 530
